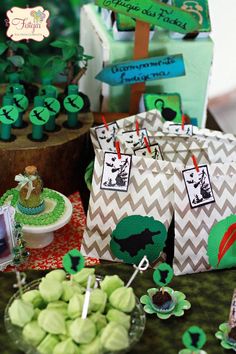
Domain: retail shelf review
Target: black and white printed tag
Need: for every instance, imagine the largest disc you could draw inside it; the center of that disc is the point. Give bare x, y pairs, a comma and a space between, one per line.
133, 140
155, 153
198, 186
187, 129
116, 172
106, 137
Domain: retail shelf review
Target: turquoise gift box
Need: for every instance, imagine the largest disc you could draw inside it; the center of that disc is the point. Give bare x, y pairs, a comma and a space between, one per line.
98, 41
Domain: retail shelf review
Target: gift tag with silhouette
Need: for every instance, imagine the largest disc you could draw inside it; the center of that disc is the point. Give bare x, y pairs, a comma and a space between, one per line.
116, 172
39, 115
221, 249
73, 261
73, 103
178, 129
134, 140
106, 136
163, 274
198, 185
194, 338
21, 102
136, 236
8, 114
155, 153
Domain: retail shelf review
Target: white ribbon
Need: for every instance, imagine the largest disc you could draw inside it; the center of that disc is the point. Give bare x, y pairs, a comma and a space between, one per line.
23, 181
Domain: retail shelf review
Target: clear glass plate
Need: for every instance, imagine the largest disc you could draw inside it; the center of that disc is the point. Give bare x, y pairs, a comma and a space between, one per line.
138, 320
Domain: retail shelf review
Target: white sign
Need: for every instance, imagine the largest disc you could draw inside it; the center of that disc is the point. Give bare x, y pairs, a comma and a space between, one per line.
29, 23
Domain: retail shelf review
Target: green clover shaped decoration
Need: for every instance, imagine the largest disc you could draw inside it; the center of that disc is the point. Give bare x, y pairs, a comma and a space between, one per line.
52, 104
21, 102
194, 338
181, 304
222, 335
8, 114
163, 274
73, 103
73, 261
39, 115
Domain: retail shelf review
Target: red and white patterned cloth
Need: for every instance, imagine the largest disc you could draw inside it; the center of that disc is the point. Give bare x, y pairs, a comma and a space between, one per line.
65, 239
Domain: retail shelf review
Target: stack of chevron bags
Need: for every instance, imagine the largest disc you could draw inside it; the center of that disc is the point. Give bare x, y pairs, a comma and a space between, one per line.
204, 236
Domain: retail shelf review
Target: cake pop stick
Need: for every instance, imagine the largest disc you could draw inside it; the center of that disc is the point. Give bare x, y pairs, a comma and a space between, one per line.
143, 265
8, 116
86, 299
39, 116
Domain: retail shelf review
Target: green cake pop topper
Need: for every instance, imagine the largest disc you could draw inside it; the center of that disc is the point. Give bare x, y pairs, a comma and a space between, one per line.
221, 247
39, 115
163, 274
194, 338
73, 261
8, 114
136, 236
21, 102
73, 103
52, 104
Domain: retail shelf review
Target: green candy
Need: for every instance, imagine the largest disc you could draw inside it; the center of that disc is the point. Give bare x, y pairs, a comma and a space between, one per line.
82, 276
98, 300
58, 274
83, 331
99, 320
36, 314
117, 316
34, 297
59, 306
48, 344
75, 306
111, 283
69, 289
115, 337
50, 289
21, 312
66, 347
95, 347
52, 321
123, 299
33, 334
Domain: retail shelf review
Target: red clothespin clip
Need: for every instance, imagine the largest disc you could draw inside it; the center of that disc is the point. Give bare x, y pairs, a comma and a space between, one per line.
117, 143
183, 121
137, 127
195, 163
105, 122
147, 145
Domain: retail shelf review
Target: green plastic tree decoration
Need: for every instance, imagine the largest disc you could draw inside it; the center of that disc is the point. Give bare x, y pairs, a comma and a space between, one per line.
71, 60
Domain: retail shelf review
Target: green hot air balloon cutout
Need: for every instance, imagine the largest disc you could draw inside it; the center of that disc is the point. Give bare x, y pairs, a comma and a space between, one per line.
73, 261
221, 249
136, 236
194, 338
163, 274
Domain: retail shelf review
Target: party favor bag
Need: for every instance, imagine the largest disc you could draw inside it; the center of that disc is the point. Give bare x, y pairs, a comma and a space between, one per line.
205, 220
149, 192
103, 137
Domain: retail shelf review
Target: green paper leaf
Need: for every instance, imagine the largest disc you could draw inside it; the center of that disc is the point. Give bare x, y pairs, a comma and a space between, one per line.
16, 60
35, 60
163, 274
3, 48
3, 65
194, 338
62, 43
68, 52
73, 261
136, 236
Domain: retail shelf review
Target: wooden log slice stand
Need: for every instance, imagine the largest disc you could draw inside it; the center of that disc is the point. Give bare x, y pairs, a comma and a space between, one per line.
60, 159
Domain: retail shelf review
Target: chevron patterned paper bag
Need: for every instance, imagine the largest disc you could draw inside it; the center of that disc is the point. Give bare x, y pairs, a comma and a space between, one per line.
150, 193
205, 235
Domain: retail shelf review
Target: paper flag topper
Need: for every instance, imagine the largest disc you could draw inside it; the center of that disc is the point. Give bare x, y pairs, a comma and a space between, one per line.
136, 236
194, 338
163, 274
221, 247
73, 261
